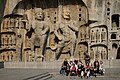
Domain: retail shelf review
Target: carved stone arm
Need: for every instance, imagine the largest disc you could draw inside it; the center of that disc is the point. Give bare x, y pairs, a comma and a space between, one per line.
73, 26
57, 35
46, 29
27, 25
33, 24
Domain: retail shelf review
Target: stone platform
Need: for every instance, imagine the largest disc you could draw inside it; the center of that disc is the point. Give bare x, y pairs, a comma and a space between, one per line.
54, 64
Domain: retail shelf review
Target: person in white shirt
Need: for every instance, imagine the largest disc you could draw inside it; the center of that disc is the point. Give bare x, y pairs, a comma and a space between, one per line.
101, 69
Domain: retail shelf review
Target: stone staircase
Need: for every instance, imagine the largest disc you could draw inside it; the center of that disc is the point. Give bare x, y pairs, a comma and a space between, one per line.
43, 76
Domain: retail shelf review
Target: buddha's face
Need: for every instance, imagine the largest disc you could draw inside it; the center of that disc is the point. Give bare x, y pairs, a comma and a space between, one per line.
66, 13
39, 15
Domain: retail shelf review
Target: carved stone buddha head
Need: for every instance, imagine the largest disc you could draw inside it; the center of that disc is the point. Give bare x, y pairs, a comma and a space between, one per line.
66, 13
39, 15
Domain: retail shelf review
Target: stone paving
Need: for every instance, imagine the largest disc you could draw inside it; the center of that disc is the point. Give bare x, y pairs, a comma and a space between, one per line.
91, 78
44, 74
21, 74
111, 74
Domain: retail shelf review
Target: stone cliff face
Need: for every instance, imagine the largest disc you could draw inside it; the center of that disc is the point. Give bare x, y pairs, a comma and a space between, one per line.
57, 29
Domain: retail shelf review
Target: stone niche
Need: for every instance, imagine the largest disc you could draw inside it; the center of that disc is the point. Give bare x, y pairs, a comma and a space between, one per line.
48, 29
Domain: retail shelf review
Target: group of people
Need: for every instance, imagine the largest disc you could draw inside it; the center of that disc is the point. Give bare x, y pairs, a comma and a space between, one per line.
78, 68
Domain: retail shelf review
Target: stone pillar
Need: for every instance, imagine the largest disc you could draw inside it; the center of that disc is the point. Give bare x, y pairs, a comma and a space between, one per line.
5, 40
9, 41
21, 25
12, 23
7, 20
10, 56
2, 40
17, 23
8, 24
5, 24
13, 38
2, 54
6, 56
14, 56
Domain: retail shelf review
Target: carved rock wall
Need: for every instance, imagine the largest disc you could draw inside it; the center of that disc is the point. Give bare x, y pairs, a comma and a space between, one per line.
76, 27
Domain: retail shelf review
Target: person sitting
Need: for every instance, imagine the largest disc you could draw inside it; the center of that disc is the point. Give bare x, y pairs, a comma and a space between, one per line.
63, 67
101, 69
76, 65
87, 70
73, 70
67, 70
65, 63
80, 70
96, 67
92, 73
62, 70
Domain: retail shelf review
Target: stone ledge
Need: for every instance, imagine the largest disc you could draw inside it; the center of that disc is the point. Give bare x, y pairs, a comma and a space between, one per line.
54, 64
39, 65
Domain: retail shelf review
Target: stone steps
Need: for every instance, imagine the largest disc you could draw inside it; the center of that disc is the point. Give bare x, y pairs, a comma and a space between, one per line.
43, 76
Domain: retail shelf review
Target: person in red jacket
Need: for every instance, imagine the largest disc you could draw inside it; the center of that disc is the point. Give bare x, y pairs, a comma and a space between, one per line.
73, 70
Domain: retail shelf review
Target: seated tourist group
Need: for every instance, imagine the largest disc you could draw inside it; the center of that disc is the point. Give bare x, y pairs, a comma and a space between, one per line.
80, 69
